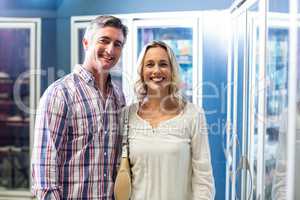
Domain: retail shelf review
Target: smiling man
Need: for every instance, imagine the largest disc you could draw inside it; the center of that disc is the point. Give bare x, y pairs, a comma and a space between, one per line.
77, 141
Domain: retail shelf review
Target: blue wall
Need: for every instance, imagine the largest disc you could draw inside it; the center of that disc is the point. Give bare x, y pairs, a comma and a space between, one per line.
67, 8
28, 8
82, 7
215, 93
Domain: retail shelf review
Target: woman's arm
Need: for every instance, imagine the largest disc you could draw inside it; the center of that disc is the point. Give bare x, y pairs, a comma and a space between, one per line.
202, 175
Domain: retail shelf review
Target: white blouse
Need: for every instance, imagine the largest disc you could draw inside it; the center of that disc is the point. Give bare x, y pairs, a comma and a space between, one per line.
171, 161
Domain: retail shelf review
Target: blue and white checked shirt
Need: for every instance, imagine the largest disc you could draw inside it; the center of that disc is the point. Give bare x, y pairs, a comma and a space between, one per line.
77, 143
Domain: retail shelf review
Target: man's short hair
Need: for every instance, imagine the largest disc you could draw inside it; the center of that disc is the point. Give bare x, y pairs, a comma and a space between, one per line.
104, 21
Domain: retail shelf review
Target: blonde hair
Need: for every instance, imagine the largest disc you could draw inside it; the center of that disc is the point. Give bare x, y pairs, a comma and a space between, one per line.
141, 87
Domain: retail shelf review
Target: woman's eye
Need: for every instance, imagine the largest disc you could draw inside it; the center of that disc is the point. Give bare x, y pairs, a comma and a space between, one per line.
163, 64
149, 65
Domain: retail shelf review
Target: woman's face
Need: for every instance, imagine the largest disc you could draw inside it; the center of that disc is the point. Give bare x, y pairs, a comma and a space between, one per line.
157, 70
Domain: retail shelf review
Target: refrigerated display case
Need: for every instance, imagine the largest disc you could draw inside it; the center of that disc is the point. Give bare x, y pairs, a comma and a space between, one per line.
269, 95
275, 92
19, 92
181, 38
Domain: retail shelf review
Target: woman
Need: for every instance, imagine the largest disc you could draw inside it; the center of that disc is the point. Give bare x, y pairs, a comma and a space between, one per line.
168, 144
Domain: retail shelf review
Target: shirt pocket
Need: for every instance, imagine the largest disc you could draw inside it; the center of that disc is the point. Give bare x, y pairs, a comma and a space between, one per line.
85, 122
115, 138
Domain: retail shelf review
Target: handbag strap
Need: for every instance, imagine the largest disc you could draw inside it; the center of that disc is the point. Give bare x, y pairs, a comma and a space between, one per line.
125, 144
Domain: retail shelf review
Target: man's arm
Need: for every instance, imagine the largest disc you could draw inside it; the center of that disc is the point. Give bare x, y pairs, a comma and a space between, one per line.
49, 135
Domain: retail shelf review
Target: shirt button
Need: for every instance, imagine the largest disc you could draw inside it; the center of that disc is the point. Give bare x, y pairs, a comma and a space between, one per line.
105, 153
104, 174
105, 132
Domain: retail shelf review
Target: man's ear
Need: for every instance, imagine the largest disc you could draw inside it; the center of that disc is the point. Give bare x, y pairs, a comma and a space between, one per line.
85, 44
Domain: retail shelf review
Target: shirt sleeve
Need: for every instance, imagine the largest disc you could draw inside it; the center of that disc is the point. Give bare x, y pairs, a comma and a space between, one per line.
203, 187
49, 135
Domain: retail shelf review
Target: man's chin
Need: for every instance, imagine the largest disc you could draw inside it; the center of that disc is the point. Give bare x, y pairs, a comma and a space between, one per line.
105, 68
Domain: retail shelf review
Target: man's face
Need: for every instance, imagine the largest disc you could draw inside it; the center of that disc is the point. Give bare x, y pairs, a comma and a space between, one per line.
105, 47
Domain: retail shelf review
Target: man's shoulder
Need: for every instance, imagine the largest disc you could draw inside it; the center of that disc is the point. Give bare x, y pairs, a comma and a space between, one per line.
60, 86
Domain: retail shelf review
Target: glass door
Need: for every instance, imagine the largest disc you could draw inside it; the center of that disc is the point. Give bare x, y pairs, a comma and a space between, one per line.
283, 101
237, 96
19, 91
182, 37
245, 120
270, 95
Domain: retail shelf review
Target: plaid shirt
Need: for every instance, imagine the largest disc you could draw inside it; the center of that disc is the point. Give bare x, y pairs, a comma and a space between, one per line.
77, 143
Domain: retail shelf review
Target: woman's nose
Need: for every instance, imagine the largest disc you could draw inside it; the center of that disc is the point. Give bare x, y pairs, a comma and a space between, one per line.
156, 68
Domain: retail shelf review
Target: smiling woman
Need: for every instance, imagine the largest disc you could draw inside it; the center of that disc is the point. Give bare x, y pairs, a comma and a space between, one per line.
157, 71
157, 64
168, 138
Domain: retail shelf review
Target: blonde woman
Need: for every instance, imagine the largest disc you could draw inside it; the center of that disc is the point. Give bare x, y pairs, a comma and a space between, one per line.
168, 144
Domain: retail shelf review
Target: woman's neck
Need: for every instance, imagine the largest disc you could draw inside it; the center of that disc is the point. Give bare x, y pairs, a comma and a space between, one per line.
165, 105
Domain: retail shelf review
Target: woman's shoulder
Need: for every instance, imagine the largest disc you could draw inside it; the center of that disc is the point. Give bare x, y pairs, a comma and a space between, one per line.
130, 109
193, 109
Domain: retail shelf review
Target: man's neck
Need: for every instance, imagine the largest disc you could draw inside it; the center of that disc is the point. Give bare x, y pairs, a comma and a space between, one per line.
100, 78
101, 82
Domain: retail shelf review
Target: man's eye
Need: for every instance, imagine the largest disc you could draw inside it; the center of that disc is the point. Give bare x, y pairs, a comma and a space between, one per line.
104, 41
118, 44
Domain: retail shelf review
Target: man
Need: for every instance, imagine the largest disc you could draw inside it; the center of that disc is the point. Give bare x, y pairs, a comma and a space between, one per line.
77, 141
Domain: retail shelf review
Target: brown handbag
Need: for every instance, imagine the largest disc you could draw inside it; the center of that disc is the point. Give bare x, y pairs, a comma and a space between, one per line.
122, 188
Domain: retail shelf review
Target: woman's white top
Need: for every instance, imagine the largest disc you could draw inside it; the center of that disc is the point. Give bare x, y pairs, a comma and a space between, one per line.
171, 161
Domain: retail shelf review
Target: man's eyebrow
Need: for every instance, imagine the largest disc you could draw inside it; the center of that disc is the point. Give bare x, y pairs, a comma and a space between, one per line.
103, 37
118, 41
108, 38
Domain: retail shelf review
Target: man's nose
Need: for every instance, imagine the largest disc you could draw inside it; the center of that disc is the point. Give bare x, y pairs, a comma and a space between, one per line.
110, 48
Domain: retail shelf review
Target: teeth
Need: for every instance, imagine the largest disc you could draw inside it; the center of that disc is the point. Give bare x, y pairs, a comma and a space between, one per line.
108, 58
157, 79
105, 57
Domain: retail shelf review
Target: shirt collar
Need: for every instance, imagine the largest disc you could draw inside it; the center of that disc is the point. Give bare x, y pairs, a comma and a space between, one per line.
88, 76
84, 74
